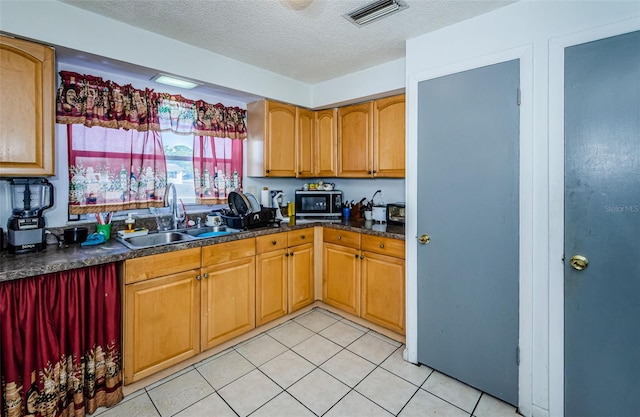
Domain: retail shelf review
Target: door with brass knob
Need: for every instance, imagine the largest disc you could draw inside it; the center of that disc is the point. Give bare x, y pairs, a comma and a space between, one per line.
602, 222
468, 197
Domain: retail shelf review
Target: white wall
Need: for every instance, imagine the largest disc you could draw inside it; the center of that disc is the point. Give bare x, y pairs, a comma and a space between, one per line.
529, 26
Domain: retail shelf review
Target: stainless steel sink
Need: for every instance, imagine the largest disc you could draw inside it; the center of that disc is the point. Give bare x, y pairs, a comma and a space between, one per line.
155, 239
209, 231
176, 236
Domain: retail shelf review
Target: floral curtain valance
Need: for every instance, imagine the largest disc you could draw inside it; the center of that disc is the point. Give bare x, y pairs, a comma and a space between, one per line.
92, 101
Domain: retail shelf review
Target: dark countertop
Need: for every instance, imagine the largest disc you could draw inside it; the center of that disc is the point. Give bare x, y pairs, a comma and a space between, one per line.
55, 259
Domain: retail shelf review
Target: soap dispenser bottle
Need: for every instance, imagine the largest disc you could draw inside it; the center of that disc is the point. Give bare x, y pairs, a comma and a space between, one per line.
129, 222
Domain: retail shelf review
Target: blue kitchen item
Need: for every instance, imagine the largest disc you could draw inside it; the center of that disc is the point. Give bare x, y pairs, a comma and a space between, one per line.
213, 234
94, 239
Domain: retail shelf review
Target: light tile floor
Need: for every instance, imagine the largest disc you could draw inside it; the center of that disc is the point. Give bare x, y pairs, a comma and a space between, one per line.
317, 364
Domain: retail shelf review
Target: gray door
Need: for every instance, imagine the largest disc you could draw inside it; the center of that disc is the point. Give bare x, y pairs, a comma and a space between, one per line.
602, 223
468, 186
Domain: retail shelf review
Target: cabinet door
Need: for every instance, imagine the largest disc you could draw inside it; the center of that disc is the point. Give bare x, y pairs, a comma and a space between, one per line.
305, 142
26, 108
300, 276
161, 323
271, 285
326, 143
280, 140
355, 125
228, 301
341, 277
389, 137
383, 291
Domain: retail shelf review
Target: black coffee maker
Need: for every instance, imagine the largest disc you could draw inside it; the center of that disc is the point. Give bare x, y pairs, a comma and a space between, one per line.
25, 228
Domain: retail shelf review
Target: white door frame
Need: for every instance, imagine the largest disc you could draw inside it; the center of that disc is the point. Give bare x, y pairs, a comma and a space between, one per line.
556, 199
525, 55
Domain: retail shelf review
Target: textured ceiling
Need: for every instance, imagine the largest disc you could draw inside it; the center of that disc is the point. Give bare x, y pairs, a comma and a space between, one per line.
307, 40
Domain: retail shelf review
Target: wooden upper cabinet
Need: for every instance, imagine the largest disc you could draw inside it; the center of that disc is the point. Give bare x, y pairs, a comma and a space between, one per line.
306, 152
326, 143
355, 126
26, 108
271, 145
389, 137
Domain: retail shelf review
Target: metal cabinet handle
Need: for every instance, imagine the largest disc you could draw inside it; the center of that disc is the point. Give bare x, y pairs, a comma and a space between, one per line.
339, 237
291, 254
356, 256
302, 237
382, 246
198, 277
206, 275
361, 257
273, 242
286, 254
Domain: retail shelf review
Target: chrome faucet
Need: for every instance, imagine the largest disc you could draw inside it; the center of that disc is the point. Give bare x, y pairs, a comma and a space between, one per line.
372, 197
171, 196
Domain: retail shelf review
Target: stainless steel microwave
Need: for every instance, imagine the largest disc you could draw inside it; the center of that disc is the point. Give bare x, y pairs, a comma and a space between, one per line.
319, 203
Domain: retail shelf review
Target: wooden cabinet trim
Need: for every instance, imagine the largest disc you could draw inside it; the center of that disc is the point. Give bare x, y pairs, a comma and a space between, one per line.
383, 245
300, 236
272, 242
227, 251
342, 237
153, 266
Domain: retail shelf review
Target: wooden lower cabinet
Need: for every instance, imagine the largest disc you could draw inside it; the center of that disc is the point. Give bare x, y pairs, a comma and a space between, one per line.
271, 285
228, 291
180, 303
162, 323
383, 291
365, 275
300, 273
284, 273
228, 301
341, 277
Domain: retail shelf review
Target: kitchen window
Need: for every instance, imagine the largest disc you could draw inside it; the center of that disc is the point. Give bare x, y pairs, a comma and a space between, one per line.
127, 144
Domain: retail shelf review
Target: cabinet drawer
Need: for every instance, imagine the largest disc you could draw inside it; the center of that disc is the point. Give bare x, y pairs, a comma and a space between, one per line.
272, 242
383, 245
153, 266
300, 237
341, 237
228, 251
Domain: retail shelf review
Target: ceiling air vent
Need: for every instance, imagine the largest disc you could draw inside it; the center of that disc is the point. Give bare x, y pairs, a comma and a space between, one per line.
374, 11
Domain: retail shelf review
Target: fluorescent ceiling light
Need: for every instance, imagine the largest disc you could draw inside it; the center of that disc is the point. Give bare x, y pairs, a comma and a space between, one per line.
173, 81
374, 11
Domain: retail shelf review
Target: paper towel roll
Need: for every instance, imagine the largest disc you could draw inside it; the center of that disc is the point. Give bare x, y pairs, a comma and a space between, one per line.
265, 197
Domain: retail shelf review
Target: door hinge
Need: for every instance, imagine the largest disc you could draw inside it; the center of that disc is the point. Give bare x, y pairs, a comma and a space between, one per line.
518, 355
519, 96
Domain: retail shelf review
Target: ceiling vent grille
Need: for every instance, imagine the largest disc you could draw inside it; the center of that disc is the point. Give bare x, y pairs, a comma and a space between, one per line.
374, 11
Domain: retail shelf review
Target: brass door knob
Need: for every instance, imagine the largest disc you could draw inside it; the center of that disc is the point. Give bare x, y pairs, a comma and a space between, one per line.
578, 262
424, 239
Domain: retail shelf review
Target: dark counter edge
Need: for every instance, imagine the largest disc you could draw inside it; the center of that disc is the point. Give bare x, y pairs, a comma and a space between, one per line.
55, 259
